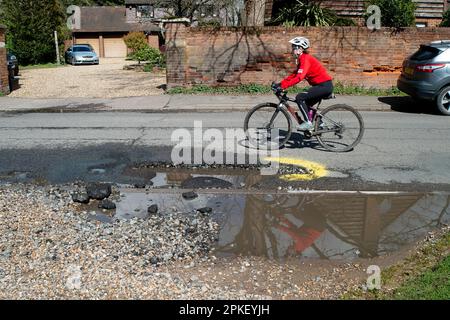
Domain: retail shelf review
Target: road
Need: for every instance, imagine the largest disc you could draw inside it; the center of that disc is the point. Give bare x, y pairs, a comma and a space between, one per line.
397, 148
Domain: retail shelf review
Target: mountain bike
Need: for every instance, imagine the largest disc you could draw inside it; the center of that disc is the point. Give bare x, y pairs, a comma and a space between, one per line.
338, 128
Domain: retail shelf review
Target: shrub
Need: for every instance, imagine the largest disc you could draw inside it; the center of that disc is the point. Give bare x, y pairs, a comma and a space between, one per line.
308, 13
135, 41
209, 24
445, 19
305, 13
344, 22
152, 56
396, 13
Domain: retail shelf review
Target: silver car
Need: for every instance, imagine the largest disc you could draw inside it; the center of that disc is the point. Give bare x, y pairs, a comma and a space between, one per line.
426, 75
81, 54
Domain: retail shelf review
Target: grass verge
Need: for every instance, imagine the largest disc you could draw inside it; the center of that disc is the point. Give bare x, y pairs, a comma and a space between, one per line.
433, 284
423, 275
254, 89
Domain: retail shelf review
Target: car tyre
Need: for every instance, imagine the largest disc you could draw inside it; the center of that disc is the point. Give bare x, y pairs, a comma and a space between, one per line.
443, 101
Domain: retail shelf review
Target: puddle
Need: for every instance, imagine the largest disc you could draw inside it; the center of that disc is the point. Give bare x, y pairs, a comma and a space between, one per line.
190, 179
305, 225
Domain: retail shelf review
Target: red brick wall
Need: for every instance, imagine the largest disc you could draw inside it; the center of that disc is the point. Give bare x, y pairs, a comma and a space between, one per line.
4, 84
353, 55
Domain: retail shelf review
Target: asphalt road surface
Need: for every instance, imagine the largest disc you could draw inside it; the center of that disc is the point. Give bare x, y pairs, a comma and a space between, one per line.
397, 148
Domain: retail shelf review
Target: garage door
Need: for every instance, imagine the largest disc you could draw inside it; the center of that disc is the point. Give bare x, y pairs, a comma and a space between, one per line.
115, 48
94, 42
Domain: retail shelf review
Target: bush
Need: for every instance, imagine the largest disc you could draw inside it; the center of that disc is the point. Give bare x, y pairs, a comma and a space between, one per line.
308, 13
305, 13
445, 19
209, 24
344, 22
396, 13
151, 55
135, 41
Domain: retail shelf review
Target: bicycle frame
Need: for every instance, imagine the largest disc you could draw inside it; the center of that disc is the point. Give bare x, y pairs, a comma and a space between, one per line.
284, 99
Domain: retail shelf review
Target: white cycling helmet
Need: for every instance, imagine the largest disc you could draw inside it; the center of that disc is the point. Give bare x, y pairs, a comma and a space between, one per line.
301, 42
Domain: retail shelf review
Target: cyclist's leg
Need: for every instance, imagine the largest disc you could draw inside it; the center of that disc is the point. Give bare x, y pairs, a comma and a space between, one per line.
317, 93
300, 99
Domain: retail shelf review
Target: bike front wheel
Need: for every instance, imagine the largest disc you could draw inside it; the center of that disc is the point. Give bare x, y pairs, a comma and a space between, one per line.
268, 126
339, 128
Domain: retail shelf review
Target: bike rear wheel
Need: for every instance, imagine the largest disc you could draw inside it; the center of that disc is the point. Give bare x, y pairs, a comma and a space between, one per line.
268, 126
339, 128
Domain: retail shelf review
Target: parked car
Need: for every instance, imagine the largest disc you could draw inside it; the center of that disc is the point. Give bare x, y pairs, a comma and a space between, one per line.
81, 54
426, 75
13, 63
13, 71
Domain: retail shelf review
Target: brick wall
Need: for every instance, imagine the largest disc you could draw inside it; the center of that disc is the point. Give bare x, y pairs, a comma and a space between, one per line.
353, 55
4, 83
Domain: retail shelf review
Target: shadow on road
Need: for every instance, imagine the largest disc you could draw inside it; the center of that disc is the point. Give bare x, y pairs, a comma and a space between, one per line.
409, 105
298, 141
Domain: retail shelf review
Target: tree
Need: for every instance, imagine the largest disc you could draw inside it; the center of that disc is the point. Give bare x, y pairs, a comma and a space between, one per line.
396, 13
198, 10
67, 3
31, 26
255, 11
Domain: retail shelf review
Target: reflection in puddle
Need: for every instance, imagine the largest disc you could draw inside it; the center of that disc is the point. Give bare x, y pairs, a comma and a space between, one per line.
309, 225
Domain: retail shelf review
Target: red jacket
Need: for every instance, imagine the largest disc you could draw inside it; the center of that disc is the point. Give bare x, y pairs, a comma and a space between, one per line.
309, 68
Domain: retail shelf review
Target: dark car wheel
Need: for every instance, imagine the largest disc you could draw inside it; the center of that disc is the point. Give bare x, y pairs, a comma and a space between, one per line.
443, 101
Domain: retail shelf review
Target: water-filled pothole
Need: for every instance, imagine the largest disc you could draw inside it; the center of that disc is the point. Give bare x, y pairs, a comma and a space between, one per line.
308, 225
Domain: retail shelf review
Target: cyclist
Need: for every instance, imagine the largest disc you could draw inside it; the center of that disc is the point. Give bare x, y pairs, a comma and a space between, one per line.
311, 69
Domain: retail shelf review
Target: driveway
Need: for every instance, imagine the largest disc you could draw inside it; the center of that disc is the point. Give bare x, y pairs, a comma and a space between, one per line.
106, 80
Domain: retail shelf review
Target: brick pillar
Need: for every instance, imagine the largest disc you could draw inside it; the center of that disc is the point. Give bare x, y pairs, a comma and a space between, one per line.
101, 47
175, 53
4, 83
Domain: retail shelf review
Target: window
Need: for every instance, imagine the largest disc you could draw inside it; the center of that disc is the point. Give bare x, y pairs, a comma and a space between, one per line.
426, 53
81, 49
208, 10
421, 24
146, 11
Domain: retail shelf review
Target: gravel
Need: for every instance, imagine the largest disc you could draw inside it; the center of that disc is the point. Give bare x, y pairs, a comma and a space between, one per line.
50, 248
42, 235
106, 80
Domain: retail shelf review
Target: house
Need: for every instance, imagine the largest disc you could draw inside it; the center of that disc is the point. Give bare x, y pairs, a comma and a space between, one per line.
229, 13
428, 13
105, 27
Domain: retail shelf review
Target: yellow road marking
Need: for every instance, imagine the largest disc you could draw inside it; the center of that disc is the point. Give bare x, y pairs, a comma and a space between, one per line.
315, 170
